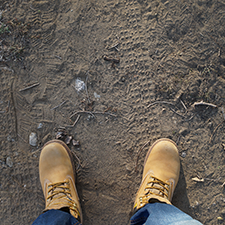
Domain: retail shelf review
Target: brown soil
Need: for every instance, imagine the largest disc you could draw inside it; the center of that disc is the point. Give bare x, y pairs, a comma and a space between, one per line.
168, 50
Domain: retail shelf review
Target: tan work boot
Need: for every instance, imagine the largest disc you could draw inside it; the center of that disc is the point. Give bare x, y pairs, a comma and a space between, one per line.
56, 170
160, 174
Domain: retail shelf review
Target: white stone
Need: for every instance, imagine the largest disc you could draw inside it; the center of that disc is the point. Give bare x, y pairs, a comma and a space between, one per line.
40, 125
9, 162
183, 154
33, 139
79, 85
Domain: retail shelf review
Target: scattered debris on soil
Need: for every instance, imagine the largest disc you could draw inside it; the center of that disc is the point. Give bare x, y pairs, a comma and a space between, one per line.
63, 135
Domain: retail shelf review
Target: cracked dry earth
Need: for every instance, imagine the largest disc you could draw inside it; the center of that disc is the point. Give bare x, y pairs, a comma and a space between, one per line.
171, 51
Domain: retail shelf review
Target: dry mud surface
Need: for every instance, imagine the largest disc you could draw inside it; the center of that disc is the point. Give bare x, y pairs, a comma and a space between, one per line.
169, 51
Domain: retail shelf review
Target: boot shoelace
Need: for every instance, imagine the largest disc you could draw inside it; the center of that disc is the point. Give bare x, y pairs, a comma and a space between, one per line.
60, 190
155, 186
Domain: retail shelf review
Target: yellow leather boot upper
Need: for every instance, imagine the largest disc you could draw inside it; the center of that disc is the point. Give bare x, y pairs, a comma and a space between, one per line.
56, 172
160, 174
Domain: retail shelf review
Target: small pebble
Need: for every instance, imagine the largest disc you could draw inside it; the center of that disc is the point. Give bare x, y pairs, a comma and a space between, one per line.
183, 154
9, 162
40, 125
196, 203
79, 85
33, 139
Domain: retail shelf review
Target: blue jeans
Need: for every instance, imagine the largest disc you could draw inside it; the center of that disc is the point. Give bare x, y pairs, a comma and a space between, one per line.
153, 213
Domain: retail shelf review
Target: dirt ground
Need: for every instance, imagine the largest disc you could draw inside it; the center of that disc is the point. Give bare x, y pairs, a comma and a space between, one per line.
170, 53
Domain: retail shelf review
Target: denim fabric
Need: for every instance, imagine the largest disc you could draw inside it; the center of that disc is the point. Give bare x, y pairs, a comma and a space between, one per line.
154, 214
161, 214
56, 217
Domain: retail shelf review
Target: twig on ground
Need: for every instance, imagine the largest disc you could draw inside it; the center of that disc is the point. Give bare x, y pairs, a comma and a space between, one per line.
159, 102
183, 105
170, 103
86, 88
139, 152
2, 111
79, 163
204, 103
177, 113
190, 118
219, 51
29, 87
58, 57
78, 112
59, 105
114, 46
92, 113
78, 117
